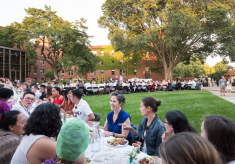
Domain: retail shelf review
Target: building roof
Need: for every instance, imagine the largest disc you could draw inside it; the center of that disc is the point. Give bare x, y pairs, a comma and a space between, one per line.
230, 66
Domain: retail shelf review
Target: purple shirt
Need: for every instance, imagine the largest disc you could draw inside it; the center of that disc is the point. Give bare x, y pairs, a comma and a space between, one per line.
4, 107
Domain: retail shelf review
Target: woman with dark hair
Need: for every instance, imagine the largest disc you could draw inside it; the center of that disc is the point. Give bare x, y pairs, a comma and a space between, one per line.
176, 122
37, 146
151, 127
116, 117
49, 93
5, 95
11, 129
67, 104
188, 148
220, 131
57, 98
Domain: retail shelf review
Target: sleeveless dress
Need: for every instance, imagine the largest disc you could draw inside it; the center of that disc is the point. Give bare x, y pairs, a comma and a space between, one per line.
58, 101
20, 154
229, 85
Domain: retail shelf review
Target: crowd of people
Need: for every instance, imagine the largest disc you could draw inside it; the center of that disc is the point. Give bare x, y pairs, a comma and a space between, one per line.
32, 132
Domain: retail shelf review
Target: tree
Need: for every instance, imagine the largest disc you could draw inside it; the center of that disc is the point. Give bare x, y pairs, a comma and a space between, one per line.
218, 74
50, 74
208, 69
192, 69
170, 30
219, 66
63, 44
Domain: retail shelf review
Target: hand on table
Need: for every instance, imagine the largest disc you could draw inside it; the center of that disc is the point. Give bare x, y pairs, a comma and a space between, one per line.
164, 136
126, 127
107, 133
62, 110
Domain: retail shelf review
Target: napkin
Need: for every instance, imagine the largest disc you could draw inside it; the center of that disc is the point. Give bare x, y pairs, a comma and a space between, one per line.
106, 153
101, 156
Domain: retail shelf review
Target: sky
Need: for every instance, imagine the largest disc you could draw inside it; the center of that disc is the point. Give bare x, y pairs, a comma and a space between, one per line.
71, 10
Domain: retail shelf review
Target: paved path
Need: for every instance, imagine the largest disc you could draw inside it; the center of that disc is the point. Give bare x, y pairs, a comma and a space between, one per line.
216, 91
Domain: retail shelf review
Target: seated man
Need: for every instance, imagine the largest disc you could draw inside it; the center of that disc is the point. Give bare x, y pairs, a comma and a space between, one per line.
25, 106
42, 90
34, 89
81, 107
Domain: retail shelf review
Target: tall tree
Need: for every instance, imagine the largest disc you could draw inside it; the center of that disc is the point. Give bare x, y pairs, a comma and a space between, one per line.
63, 44
219, 66
171, 30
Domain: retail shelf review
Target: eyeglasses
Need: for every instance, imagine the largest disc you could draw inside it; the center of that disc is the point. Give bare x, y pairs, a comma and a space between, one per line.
28, 99
164, 122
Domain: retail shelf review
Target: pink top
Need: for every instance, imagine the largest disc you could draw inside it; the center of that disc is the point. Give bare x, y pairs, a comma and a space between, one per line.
164, 83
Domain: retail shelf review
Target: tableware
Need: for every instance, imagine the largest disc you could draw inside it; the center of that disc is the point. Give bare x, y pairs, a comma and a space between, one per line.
157, 160
89, 160
117, 145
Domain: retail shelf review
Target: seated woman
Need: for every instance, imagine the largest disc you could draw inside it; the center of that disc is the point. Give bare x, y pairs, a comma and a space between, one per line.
49, 94
152, 85
68, 105
5, 95
176, 122
79, 137
185, 148
11, 129
151, 127
220, 131
57, 98
37, 146
116, 117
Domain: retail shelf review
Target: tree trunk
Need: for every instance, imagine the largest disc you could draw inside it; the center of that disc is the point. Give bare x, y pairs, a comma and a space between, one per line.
55, 71
168, 74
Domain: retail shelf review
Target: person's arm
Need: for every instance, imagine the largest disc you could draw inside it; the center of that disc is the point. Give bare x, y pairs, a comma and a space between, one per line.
106, 125
91, 117
63, 104
124, 133
128, 127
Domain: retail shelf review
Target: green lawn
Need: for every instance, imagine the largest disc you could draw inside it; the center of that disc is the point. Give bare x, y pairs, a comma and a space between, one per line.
194, 104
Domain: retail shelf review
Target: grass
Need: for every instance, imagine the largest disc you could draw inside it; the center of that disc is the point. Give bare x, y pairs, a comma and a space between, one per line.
194, 104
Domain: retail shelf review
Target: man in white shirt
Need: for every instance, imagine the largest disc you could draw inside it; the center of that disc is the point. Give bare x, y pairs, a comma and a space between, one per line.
25, 105
81, 106
34, 88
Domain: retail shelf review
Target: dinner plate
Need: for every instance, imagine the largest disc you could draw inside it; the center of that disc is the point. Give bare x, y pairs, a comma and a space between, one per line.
117, 145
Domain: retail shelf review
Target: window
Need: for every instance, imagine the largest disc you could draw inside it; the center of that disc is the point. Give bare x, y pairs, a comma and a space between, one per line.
93, 73
113, 72
62, 72
102, 53
36, 62
70, 73
42, 79
102, 62
42, 71
93, 79
113, 62
122, 62
35, 72
42, 62
135, 72
70, 78
94, 52
160, 62
102, 71
122, 72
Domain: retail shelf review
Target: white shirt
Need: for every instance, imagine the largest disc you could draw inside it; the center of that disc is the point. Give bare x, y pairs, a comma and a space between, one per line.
143, 84
87, 85
38, 94
84, 108
26, 112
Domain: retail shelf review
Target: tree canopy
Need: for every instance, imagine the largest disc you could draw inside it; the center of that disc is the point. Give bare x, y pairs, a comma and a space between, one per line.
220, 66
63, 44
171, 30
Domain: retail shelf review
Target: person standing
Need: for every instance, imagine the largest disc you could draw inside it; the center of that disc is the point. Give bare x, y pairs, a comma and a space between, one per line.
121, 78
222, 83
57, 80
229, 87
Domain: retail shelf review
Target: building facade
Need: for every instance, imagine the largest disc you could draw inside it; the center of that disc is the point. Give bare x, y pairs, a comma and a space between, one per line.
143, 71
13, 64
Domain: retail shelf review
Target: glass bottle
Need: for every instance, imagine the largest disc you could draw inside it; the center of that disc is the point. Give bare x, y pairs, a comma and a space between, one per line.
95, 138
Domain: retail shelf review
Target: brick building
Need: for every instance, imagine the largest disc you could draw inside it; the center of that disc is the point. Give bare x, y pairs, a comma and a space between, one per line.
142, 72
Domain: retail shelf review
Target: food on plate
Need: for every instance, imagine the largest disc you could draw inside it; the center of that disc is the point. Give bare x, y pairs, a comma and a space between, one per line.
122, 142
9, 102
146, 161
116, 141
87, 160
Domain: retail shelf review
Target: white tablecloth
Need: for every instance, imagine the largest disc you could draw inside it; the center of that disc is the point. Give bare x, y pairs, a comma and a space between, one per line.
119, 151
